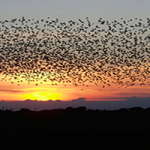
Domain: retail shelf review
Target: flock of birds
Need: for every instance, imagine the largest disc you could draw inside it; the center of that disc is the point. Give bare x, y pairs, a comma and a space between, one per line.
77, 52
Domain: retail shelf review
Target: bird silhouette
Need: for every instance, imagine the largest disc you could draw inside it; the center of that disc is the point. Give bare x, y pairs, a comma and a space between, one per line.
76, 52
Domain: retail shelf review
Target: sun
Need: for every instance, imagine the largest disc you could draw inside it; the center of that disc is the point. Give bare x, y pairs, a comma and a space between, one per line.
42, 96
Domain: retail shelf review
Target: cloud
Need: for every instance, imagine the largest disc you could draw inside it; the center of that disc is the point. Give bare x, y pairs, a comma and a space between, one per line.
81, 99
111, 105
140, 94
11, 91
107, 99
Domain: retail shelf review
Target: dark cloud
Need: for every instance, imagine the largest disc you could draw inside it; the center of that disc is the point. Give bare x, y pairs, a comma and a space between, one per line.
81, 99
11, 91
132, 94
110, 105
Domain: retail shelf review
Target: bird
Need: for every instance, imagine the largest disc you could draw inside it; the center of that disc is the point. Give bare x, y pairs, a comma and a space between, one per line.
73, 52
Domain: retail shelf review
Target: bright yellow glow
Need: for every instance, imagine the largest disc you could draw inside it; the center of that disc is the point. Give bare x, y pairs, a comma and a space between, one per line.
44, 96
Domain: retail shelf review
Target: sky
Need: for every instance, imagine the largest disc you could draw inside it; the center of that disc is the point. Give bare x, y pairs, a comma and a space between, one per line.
66, 10
70, 9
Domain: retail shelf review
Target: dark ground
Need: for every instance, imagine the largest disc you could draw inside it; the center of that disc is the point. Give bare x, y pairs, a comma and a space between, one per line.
76, 130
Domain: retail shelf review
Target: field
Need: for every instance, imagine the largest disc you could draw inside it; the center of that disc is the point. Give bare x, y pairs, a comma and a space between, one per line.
58, 129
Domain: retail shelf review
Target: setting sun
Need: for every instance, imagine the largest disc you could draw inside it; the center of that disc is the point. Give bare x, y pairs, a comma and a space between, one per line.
44, 96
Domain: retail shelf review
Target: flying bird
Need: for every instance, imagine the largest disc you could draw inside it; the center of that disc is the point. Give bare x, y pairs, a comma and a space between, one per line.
76, 52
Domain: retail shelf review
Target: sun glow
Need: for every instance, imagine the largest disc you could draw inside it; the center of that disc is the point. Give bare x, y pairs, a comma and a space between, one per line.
43, 96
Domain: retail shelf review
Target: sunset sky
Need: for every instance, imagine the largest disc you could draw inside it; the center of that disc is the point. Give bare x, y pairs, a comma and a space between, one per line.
66, 10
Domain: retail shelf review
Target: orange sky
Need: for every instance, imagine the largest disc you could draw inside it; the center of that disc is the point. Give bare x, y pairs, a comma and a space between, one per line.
47, 91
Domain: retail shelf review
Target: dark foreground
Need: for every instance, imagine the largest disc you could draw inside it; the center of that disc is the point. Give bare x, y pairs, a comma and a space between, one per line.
75, 129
